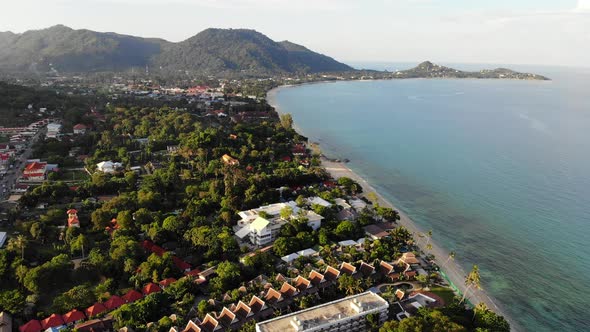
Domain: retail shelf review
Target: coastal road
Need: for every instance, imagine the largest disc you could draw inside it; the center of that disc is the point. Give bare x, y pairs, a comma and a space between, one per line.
453, 270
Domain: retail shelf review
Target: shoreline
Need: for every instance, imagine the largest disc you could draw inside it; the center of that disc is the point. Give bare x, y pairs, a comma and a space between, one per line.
453, 272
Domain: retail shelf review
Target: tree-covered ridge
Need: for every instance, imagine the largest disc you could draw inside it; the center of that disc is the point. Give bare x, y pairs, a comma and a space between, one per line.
428, 69
211, 52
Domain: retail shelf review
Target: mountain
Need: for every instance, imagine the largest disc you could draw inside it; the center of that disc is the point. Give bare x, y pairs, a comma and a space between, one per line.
212, 52
70, 50
428, 69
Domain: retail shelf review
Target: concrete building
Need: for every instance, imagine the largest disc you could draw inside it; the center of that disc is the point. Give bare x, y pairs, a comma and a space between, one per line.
262, 225
53, 130
347, 314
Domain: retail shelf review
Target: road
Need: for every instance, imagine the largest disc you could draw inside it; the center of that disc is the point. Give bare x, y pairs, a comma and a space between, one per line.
9, 180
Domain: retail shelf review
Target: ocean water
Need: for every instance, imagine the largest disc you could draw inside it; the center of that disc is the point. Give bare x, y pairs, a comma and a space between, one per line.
498, 169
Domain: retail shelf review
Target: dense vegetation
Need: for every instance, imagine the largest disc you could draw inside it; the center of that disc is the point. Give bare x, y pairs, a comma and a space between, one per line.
211, 52
186, 203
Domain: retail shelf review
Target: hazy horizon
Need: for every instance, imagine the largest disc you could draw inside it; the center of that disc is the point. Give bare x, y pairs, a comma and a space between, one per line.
527, 32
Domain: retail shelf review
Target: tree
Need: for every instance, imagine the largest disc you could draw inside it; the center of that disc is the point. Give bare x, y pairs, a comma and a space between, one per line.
125, 220
488, 320
472, 280
345, 230
18, 244
228, 277
286, 212
286, 120
173, 224
450, 257
38, 231
100, 218
349, 284
79, 243
12, 301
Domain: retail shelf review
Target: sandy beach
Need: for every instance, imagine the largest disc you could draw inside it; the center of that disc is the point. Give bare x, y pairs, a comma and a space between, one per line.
455, 273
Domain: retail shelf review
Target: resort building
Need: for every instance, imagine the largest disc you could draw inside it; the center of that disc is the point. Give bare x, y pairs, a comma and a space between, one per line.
73, 218
35, 171
229, 160
261, 225
347, 314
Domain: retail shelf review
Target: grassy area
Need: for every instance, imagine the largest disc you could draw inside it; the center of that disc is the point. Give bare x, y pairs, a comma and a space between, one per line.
75, 176
445, 293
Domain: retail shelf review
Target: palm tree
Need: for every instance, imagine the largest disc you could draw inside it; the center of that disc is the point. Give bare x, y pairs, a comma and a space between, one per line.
451, 256
472, 280
428, 238
18, 244
479, 308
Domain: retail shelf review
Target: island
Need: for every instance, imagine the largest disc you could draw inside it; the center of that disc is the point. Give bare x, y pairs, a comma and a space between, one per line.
428, 69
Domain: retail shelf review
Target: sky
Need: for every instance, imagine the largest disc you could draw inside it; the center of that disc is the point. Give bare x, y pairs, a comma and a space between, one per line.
540, 32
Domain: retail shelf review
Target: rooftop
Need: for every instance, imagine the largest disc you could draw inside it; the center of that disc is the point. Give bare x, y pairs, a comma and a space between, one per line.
325, 313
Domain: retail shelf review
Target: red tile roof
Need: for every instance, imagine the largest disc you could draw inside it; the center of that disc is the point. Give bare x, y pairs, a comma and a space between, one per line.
209, 323
180, 263
52, 321
95, 309
242, 310
31, 326
347, 268
331, 273
151, 288
315, 277
167, 282
288, 290
272, 295
73, 316
114, 302
226, 317
132, 296
191, 327
35, 166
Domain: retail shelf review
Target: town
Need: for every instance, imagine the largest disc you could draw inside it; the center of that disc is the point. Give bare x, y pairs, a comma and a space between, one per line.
200, 208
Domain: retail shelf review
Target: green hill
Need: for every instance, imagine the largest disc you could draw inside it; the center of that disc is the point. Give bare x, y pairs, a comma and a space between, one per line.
212, 52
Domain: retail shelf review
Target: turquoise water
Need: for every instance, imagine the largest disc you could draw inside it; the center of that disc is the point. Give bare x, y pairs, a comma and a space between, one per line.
499, 170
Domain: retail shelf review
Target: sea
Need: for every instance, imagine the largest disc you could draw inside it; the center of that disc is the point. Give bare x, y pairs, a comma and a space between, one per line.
499, 170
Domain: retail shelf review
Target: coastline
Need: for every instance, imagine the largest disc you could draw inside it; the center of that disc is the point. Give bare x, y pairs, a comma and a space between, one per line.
453, 272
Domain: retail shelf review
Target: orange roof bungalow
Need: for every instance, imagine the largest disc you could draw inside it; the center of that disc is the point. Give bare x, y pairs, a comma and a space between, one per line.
227, 318
151, 288
288, 290
409, 258
316, 278
257, 305
385, 268
243, 311
347, 268
273, 296
210, 324
132, 296
331, 274
229, 160
191, 327
366, 269
167, 282
54, 320
114, 302
410, 275
73, 316
31, 326
302, 284
95, 309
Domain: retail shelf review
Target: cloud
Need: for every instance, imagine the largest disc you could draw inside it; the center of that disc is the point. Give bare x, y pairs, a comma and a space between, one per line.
583, 5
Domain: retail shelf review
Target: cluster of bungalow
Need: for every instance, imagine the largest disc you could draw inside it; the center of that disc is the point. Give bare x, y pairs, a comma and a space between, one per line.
273, 300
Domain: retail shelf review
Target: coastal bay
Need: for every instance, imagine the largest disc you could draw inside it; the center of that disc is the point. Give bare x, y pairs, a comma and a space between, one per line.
454, 154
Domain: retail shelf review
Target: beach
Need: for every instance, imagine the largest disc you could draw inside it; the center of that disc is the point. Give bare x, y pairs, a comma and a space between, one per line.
455, 274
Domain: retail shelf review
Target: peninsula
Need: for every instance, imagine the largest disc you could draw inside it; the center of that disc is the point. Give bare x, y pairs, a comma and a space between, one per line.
428, 69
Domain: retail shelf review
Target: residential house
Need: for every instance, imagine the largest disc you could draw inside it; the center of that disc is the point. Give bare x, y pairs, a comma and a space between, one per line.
108, 167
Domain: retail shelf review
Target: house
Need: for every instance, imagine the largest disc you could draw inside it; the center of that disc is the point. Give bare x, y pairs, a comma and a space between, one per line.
229, 160
73, 218
80, 129
35, 171
318, 201
73, 316
108, 166
54, 320
53, 130
357, 204
376, 232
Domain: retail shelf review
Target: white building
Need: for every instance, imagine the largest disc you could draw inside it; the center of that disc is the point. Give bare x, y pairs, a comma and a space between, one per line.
53, 130
319, 201
357, 204
347, 314
108, 167
262, 225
